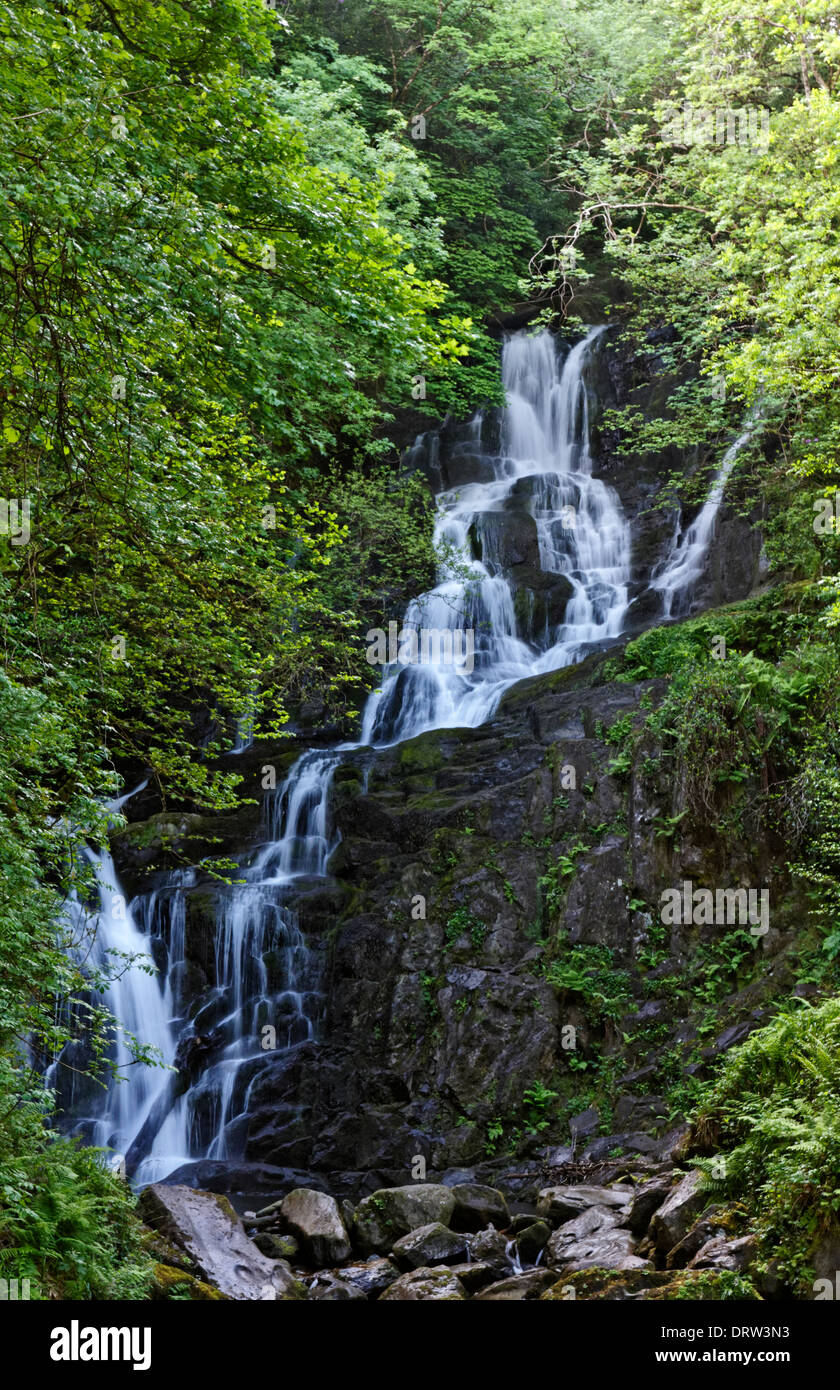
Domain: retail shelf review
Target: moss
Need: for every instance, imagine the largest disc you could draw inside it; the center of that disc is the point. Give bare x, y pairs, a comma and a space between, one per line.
612, 1285
421, 754
172, 1283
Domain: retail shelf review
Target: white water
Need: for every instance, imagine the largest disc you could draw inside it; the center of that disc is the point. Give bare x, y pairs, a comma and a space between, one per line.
685, 563
109, 939
581, 532
544, 467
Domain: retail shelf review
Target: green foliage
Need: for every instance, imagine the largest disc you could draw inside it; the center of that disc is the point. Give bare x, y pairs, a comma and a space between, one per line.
489, 82
66, 1223
463, 922
194, 314
553, 884
773, 1116
590, 972
539, 1104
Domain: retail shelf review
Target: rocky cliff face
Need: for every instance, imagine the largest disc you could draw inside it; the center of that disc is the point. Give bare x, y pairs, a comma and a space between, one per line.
495, 983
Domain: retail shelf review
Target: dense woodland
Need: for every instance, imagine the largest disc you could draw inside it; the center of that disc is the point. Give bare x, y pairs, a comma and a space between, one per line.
243, 251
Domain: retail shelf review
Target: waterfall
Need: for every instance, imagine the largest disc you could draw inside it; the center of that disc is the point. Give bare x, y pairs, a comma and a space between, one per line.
581, 534
685, 562
264, 972
150, 1119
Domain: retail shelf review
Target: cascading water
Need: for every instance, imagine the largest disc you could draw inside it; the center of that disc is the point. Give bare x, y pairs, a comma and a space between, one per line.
151, 1119
685, 563
581, 537
581, 534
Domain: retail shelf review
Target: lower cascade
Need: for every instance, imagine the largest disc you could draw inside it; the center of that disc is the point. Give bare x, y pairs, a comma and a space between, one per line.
537, 575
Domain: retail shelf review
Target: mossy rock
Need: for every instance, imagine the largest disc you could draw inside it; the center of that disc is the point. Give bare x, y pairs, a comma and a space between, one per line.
614, 1285
172, 1283
422, 754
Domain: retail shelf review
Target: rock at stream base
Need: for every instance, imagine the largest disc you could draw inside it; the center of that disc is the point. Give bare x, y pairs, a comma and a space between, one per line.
372, 1277
430, 1245
392, 1212
532, 1241
316, 1221
558, 1204
676, 1215
425, 1284
519, 1287
328, 1287
477, 1206
593, 1240
206, 1226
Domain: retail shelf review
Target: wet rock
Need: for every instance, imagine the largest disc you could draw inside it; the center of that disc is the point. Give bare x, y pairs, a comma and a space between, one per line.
475, 1275
532, 1241
695, 1238
314, 1218
477, 1206
519, 1287
676, 1215
646, 1200
593, 1239
372, 1276
723, 1253
425, 1285
559, 1204
205, 1225
490, 1247
585, 1123
327, 1287
392, 1212
429, 1245
503, 539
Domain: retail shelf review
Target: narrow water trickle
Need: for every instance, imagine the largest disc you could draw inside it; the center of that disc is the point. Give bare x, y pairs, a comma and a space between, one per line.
686, 560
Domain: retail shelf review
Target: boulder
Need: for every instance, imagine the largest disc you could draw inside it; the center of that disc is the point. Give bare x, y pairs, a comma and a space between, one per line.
277, 1247
519, 1287
314, 1218
392, 1212
532, 1241
475, 1274
328, 1287
559, 1204
698, 1235
593, 1240
477, 1206
423, 1285
434, 1244
675, 1217
646, 1200
371, 1276
723, 1253
205, 1225
490, 1247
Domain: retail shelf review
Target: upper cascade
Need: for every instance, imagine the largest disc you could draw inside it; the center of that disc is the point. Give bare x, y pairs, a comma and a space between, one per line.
581, 533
